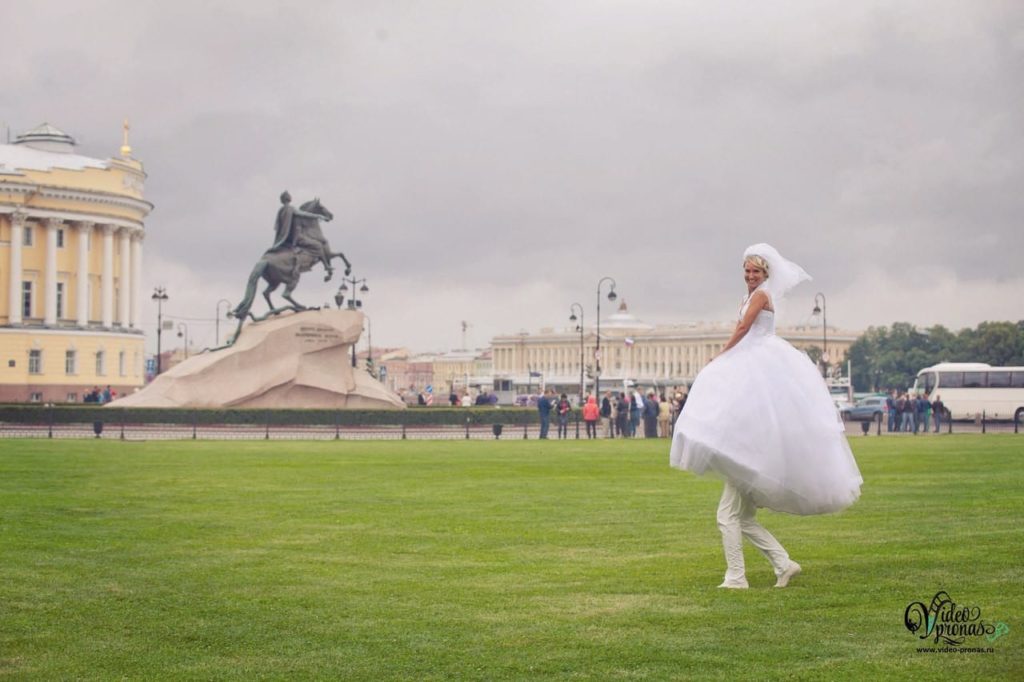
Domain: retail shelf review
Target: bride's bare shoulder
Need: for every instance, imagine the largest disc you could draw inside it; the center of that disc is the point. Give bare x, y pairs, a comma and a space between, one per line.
763, 299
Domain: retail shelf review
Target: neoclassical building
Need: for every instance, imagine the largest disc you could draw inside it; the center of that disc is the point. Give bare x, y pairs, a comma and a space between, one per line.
631, 350
71, 233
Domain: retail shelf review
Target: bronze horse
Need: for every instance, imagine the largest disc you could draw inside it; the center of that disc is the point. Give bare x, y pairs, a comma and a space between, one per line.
285, 264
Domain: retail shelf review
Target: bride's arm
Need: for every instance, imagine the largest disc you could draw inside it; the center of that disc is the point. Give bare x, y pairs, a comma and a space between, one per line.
758, 302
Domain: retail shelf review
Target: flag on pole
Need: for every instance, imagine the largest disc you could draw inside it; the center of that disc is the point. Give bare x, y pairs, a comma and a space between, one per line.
430, 395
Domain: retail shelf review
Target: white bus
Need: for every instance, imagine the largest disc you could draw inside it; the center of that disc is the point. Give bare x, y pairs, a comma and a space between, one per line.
970, 388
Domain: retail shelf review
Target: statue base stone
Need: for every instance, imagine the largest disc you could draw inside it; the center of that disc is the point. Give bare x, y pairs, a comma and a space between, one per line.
297, 360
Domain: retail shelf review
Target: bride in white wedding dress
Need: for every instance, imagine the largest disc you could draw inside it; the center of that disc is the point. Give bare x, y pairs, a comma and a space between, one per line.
760, 416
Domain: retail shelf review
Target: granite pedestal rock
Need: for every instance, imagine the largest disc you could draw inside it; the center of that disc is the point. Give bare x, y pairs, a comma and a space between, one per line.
299, 360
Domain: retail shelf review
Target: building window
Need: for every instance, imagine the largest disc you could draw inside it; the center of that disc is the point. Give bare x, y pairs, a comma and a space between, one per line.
60, 238
70, 362
72, 398
27, 236
35, 362
101, 368
35, 397
60, 300
122, 369
26, 299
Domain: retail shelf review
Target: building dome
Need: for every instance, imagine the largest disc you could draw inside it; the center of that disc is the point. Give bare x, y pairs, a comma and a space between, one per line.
624, 321
47, 138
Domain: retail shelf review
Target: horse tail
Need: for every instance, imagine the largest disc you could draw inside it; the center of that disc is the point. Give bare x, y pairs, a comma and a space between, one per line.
242, 309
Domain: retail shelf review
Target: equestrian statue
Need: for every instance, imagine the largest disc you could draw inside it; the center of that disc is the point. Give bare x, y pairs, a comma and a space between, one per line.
299, 244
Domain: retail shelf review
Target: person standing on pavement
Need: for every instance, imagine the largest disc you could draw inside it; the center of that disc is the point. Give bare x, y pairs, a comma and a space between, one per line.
544, 410
650, 416
664, 417
636, 406
563, 409
606, 414
919, 412
939, 410
622, 415
591, 413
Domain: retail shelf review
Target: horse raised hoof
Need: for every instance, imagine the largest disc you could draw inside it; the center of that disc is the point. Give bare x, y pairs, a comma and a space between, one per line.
348, 271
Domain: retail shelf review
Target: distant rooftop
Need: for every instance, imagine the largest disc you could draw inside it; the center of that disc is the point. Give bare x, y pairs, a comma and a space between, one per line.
625, 320
47, 138
44, 148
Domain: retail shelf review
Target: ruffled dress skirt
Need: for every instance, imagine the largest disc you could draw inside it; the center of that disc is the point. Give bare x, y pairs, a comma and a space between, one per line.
761, 417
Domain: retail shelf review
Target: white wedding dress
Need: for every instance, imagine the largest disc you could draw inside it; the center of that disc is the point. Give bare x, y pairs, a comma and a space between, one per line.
761, 417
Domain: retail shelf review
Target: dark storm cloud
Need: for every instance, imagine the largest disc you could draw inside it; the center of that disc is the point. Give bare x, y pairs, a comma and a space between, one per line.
531, 148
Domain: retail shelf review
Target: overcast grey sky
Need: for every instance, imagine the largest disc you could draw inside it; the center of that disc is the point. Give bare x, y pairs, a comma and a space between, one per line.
490, 161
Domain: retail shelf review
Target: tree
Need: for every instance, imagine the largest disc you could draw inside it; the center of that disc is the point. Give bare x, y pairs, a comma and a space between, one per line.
885, 358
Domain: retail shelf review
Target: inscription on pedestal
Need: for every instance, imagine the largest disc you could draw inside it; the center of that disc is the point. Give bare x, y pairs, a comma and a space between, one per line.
318, 334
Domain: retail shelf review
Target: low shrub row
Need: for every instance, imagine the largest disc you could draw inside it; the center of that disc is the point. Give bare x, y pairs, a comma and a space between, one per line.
434, 416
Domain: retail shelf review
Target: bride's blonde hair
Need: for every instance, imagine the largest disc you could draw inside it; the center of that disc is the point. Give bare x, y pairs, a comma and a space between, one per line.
758, 262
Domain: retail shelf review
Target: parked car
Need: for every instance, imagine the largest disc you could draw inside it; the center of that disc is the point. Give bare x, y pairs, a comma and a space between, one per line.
865, 409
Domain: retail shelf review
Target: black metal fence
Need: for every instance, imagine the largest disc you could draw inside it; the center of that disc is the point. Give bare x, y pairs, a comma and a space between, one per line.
980, 424
59, 421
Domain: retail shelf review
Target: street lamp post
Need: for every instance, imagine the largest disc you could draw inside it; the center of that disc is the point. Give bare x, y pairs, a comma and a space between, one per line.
353, 302
369, 347
597, 352
824, 331
183, 332
579, 328
216, 323
159, 295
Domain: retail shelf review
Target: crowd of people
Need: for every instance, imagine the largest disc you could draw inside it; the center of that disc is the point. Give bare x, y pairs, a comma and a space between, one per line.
911, 414
622, 414
99, 396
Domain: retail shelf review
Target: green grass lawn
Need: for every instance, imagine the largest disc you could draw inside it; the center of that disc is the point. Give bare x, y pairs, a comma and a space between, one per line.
487, 560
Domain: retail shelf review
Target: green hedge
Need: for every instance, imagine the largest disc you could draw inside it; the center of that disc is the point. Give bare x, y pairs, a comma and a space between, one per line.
432, 416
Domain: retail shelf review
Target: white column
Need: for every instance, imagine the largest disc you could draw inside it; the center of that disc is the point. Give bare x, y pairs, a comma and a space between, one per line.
14, 292
125, 300
82, 285
133, 318
50, 274
107, 283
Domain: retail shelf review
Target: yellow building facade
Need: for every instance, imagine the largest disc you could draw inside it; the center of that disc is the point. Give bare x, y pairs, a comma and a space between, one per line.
71, 236
632, 351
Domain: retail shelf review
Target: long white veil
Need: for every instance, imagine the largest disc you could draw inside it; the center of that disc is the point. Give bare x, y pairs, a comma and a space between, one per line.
783, 274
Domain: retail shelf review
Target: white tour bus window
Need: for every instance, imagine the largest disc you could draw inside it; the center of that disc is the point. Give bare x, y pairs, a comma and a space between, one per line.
974, 379
998, 379
1017, 379
951, 380
927, 381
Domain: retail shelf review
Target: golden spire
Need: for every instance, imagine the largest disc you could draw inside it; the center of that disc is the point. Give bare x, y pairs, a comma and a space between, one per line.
126, 149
